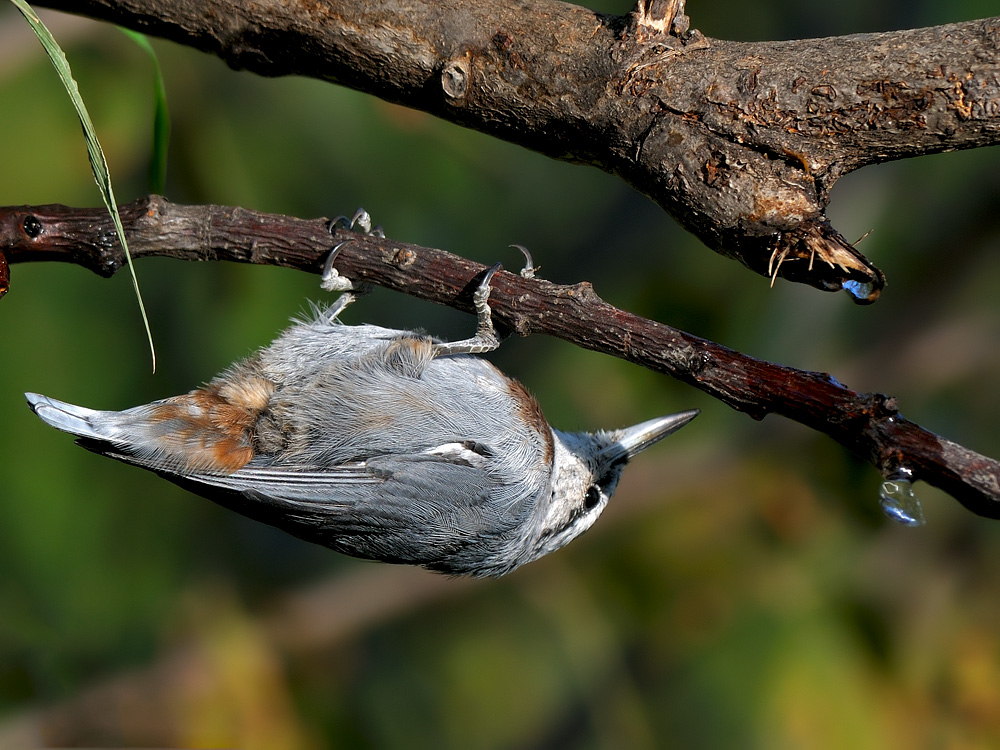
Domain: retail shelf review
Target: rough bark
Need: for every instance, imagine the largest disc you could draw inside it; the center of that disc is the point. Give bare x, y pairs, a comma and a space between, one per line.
740, 142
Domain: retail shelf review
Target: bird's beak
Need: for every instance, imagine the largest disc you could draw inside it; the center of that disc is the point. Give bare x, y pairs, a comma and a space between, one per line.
635, 439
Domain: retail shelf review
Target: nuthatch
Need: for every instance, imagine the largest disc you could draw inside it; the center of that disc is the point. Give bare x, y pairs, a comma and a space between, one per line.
381, 444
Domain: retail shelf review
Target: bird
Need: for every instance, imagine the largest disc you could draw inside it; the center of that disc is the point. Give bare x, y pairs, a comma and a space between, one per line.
381, 444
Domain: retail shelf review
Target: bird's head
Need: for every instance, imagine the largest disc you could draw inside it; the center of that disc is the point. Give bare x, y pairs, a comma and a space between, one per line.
585, 473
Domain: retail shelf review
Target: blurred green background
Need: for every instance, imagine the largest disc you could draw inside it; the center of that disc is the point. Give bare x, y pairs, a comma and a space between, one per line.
743, 589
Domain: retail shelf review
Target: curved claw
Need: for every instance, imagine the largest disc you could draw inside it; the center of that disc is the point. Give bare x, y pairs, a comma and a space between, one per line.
528, 272
484, 285
361, 222
331, 280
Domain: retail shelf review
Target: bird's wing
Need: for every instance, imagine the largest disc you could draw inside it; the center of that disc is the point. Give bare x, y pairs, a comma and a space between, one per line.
420, 509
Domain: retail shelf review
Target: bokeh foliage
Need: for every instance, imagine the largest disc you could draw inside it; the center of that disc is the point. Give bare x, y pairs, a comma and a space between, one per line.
743, 589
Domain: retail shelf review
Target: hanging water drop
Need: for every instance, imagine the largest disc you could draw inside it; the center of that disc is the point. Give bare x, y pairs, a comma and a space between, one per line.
899, 502
861, 291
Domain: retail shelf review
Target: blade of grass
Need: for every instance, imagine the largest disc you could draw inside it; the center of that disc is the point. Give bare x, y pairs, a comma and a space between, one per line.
95, 153
161, 116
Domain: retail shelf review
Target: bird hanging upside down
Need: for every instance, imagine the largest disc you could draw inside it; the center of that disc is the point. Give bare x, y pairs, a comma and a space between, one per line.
378, 443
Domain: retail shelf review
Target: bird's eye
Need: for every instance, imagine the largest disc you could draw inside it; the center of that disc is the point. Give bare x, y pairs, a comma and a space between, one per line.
592, 498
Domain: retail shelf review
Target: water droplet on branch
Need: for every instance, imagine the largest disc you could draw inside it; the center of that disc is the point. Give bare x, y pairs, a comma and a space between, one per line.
859, 290
899, 502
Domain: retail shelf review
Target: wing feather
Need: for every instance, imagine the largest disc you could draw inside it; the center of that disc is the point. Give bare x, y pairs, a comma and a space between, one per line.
421, 509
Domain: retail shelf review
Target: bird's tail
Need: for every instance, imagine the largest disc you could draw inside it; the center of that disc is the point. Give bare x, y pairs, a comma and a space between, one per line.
76, 420
198, 431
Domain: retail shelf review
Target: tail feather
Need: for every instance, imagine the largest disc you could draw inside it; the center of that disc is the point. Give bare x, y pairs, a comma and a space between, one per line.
76, 420
199, 431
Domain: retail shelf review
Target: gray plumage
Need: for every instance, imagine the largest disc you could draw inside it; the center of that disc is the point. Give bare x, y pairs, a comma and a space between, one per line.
379, 443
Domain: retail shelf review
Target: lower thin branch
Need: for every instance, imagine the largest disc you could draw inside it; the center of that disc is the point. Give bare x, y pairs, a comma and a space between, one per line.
868, 424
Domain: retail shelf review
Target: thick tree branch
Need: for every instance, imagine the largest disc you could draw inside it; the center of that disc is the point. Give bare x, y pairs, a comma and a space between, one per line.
869, 424
739, 142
